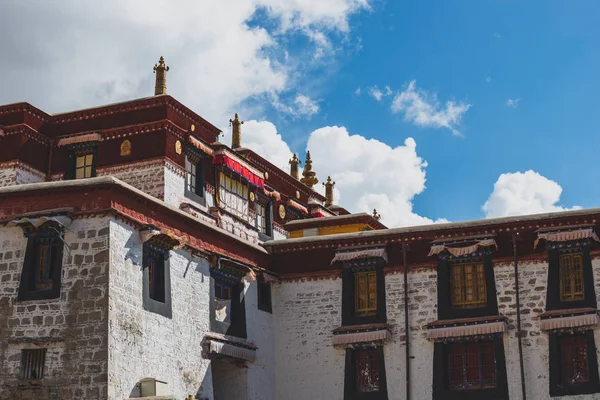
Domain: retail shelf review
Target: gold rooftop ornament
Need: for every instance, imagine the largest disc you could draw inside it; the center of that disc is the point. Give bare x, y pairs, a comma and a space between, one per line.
294, 162
376, 215
308, 175
161, 77
236, 132
329, 192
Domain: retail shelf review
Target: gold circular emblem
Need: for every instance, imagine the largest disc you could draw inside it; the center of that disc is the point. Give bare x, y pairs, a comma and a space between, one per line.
281, 211
178, 147
266, 175
193, 128
298, 195
125, 148
251, 196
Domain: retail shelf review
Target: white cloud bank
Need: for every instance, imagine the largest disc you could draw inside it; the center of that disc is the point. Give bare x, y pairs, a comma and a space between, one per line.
423, 109
82, 54
370, 174
521, 193
512, 103
379, 94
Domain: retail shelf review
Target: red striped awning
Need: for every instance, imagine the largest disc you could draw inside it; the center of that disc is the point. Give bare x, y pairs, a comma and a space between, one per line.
239, 166
297, 206
79, 138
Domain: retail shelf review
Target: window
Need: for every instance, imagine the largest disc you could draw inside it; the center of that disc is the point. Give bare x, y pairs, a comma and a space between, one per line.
367, 371
574, 359
364, 376
228, 306
42, 269
195, 179
573, 364
84, 166
471, 366
264, 294
156, 280
264, 218
467, 285
571, 277
233, 195
32, 364
365, 293
156, 277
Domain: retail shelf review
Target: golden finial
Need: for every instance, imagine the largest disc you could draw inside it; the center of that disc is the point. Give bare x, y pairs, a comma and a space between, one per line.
308, 175
294, 162
236, 132
161, 77
329, 192
376, 215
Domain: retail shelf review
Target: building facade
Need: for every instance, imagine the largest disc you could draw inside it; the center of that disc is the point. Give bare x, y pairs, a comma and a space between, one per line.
140, 257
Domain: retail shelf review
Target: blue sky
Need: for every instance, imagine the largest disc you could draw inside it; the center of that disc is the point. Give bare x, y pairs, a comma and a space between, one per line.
485, 108
544, 53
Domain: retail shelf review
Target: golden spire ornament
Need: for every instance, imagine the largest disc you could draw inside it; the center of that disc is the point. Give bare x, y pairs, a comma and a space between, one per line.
329, 192
294, 162
309, 178
160, 70
236, 132
376, 215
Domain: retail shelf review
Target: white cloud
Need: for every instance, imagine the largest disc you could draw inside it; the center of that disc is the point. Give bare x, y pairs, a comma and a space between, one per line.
423, 109
488, 79
513, 103
370, 174
82, 54
357, 91
378, 94
306, 106
522, 193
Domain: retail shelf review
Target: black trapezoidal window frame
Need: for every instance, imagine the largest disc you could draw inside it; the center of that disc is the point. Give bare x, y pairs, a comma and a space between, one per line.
195, 177
441, 386
263, 290
237, 323
158, 302
49, 240
78, 150
349, 269
33, 364
265, 202
557, 386
553, 295
351, 391
445, 309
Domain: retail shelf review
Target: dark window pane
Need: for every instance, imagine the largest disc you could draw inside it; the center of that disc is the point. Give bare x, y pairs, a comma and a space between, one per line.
367, 370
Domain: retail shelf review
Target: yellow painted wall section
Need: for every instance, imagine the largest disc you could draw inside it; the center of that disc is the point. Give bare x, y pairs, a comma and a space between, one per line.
331, 230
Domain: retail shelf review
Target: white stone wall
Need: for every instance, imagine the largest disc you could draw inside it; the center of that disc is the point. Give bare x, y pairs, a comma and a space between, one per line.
307, 366
73, 327
143, 344
148, 176
8, 176
17, 173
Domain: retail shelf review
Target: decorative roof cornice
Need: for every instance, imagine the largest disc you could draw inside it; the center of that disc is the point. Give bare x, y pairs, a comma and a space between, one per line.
24, 129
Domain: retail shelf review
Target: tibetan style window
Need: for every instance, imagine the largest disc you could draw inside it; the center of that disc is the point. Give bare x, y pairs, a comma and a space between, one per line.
195, 179
469, 368
233, 195
156, 280
573, 363
84, 165
365, 373
32, 364
42, 270
228, 307
363, 291
467, 284
264, 293
83, 161
264, 218
570, 278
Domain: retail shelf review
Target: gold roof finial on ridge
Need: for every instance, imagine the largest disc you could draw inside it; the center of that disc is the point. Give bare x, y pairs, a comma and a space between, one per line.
236, 132
160, 69
329, 191
294, 162
309, 178
376, 215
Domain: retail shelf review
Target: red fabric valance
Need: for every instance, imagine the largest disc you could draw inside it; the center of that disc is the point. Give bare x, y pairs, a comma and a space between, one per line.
252, 175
